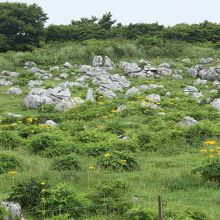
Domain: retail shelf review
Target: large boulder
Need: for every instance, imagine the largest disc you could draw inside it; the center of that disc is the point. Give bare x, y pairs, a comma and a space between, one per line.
68, 103
14, 210
35, 101
190, 90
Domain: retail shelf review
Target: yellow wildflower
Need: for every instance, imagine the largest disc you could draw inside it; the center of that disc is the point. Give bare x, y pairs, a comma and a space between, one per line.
217, 148
150, 99
211, 150
30, 120
123, 161
104, 116
43, 125
107, 155
5, 126
42, 198
101, 96
91, 168
12, 172
42, 183
14, 124
101, 103
114, 111
43, 190
203, 150
211, 156
210, 142
158, 103
20, 122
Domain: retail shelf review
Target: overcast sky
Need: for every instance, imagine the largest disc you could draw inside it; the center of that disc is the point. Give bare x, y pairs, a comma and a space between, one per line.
167, 12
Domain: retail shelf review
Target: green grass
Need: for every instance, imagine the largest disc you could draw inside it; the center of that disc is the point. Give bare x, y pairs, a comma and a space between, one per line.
166, 164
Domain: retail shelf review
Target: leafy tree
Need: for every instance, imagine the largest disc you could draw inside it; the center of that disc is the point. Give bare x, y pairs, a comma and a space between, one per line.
21, 26
106, 21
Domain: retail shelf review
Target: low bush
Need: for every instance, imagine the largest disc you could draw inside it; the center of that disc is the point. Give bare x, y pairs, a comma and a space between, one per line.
210, 171
118, 161
8, 162
30, 193
10, 139
67, 162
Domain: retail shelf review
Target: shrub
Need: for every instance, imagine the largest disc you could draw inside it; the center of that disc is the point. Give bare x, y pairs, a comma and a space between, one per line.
29, 193
8, 162
144, 139
67, 162
139, 213
62, 200
110, 197
118, 161
3, 212
196, 214
115, 128
42, 141
27, 131
9, 139
210, 171
90, 136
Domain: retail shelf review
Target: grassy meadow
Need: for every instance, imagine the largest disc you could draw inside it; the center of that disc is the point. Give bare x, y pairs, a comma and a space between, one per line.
81, 169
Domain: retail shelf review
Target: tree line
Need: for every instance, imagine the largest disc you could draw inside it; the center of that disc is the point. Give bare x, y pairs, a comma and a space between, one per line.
22, 27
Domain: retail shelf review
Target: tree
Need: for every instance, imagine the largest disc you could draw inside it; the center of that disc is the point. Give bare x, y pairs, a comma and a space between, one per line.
21, 26
106, 21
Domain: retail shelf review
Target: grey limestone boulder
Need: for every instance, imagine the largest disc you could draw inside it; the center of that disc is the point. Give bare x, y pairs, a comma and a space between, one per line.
216, 104
51, 123
199, 82
97, 61
14, 210
90, 95
33, 83
15, 91
4, 82
67, 65
206, 60
187, 121
8, 74
68, 103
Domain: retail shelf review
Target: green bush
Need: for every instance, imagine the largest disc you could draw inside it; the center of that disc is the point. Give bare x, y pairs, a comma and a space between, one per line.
10, 139
29, 194
196, 214
67, 162
110, 196
139, 213
90, 136
210, 171
8, 162
42, 141
62, 200
27, 131
118, 161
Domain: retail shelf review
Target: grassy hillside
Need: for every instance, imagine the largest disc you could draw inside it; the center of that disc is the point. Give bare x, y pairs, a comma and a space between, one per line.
82, 169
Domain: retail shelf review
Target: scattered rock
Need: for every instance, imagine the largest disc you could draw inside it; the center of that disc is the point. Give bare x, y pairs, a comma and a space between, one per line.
67, 65
8, 74
199, 82
186, 60
216, 104
13, 115
90, 95
64, 76
51, 123
33, 83
4, 82
187, 121
15, 91
97, 61
14, 210
206, 60
68, 103
153, 98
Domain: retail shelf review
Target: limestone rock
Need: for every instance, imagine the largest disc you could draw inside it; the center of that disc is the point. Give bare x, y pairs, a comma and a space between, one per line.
51, 123
216, 104
15, 91
90, 95
8, 74
206, 60
67, 65
188, 121
97, 61
14, 210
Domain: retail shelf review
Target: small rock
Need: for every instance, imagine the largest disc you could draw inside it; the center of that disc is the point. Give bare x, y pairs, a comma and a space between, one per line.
67, 65
90, 95
188, 121
51, 123
97, 61
15, 91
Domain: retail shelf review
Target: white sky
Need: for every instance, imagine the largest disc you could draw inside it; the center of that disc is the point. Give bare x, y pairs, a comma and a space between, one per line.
166, 12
